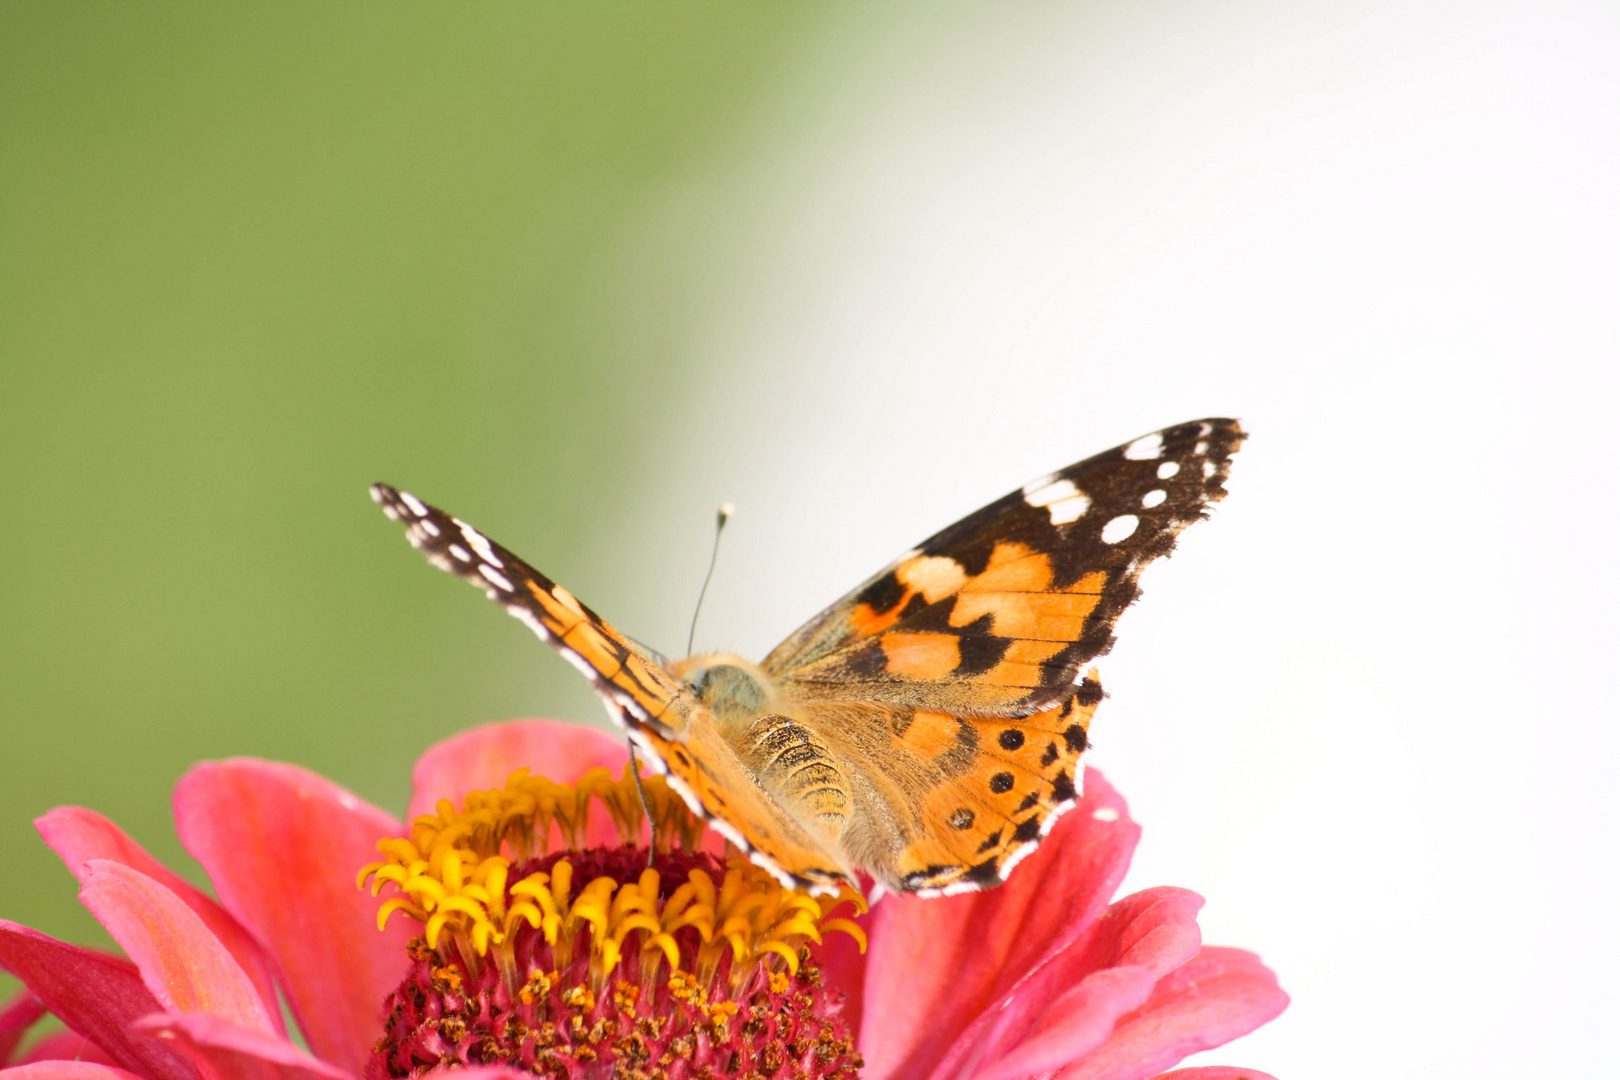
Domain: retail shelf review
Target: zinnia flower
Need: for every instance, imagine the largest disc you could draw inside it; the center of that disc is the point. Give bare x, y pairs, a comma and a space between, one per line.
506, 952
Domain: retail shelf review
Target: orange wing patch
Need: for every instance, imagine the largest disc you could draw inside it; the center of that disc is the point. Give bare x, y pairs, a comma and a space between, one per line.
1001, 636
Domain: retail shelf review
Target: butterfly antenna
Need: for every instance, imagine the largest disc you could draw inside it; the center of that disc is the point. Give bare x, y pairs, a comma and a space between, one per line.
722, 516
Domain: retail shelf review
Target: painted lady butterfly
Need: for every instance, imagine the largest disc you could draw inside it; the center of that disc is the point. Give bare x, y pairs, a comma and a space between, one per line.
926, 729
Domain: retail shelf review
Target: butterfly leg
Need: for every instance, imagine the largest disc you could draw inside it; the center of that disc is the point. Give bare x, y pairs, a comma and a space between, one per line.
635, 772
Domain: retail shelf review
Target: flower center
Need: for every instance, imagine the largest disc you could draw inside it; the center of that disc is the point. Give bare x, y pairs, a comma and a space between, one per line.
685, 968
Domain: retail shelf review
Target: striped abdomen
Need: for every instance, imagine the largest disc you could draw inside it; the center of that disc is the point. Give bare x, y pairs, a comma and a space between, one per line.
796, 766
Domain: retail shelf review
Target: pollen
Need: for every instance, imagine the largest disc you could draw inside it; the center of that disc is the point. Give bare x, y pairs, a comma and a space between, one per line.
541, 955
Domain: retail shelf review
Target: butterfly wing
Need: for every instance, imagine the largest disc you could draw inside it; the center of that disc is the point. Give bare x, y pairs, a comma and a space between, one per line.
969, 654
998, 614
635, 687
676, 733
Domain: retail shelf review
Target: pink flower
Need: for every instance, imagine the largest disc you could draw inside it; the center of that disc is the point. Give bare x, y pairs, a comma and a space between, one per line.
1042, 977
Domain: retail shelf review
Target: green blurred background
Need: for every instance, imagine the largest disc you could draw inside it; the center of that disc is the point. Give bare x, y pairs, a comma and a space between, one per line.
252, 260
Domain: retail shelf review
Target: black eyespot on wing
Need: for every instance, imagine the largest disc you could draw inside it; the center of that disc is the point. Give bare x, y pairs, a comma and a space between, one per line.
1001, 783
961, 818
1011, 739
1074, 737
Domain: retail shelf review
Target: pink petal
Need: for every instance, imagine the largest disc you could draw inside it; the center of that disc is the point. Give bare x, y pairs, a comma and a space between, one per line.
66, 1046
21, 1013
935, 965
1078, 1021
96, 995
66, 1070
184, 965
220, 1048
1215, 1072
1212, 999
1156, 928
282, 847
1065, 1009
79, 835
485, 756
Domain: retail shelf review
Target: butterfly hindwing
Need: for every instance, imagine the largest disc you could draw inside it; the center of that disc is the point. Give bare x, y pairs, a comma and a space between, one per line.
1023, 777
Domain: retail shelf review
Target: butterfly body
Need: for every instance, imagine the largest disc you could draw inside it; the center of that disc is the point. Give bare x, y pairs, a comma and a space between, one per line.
927, 728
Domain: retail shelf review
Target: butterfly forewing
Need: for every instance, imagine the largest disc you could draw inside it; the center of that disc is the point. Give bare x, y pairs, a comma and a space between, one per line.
998, 614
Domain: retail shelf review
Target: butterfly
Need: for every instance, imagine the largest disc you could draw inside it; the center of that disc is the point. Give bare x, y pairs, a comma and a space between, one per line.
926, 729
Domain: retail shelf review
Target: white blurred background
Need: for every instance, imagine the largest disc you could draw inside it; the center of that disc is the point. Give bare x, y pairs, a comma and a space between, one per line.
1368, 710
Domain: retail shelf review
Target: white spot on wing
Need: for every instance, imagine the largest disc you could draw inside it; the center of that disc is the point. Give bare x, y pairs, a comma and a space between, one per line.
1146, 448
566, 599
495, 578
1051, 492
479, 543
416, 505
1154, 498
431, 527
1070, 509
1121, 528
1209, 469
461, 553
1168, 469
1063, 501
1201, 449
